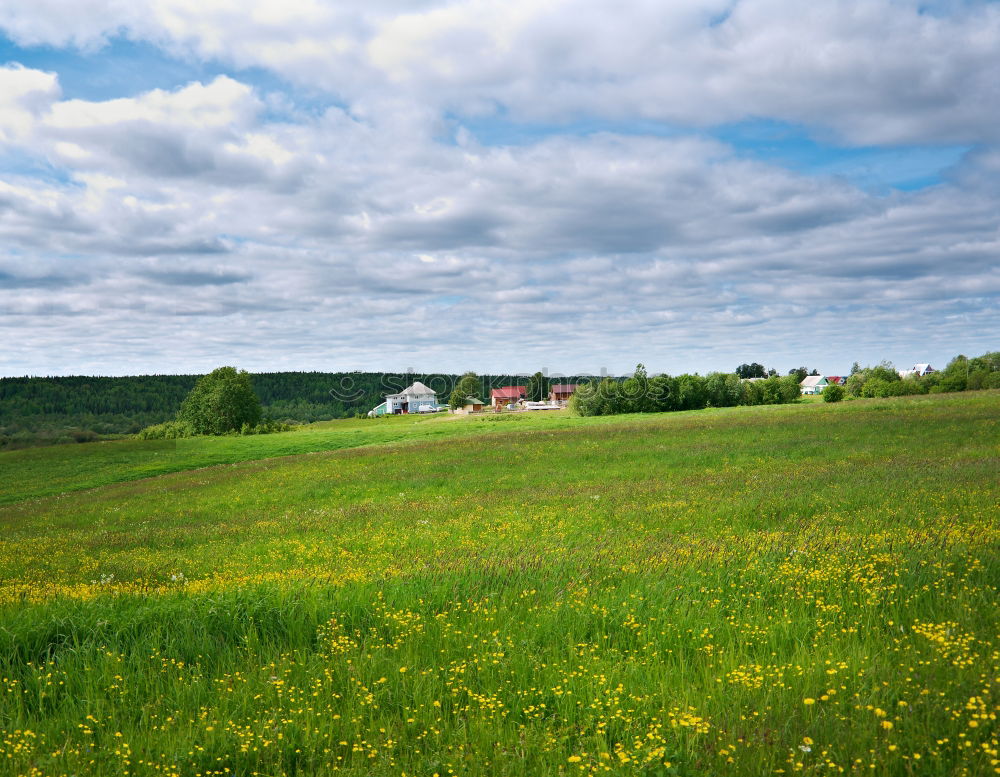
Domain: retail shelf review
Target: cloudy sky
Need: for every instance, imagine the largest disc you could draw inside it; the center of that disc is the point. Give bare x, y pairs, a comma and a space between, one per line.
498, 185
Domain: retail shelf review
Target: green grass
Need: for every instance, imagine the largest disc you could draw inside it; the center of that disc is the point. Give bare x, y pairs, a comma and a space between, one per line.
37, 472
545, 595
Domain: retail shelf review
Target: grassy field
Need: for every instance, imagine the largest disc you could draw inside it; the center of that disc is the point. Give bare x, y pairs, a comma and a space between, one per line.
35, 472
747, 591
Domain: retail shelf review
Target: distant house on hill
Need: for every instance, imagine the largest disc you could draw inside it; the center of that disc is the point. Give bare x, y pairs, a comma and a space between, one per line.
415, 398
918, 369
561, 392
813, 384
836, 380
501, 397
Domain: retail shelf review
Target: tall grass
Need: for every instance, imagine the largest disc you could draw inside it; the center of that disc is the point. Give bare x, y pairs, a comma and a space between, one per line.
751, 591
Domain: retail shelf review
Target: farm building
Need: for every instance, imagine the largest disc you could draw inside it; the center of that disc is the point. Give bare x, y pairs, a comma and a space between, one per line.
508, 395
813, 384
415, 398
472, 405
836, 380
561, 392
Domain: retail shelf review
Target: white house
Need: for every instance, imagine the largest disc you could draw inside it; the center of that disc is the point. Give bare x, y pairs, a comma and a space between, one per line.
416, 398
918, 369
813, 384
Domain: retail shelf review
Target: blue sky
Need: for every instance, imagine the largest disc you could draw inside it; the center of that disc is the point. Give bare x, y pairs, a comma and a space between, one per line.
496, 186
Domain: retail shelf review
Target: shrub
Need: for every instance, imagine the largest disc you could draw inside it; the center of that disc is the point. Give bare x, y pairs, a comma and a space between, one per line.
875, 387
169, 430
833, 393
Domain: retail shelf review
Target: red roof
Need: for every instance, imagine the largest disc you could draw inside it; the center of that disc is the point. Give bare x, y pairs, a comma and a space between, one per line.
508, 392
834, 379
564, 388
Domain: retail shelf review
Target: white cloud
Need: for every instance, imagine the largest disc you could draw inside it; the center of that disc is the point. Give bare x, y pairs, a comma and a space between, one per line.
221, 103
187, 226
24, 94
867, 72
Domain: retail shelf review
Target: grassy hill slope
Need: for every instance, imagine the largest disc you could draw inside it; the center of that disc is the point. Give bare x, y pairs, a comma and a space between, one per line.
808, 588
54, 470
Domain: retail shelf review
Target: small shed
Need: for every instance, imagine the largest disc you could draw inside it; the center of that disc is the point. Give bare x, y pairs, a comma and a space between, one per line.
472, 405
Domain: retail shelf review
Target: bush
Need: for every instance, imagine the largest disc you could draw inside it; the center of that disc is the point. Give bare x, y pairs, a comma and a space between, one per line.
875, 387
173, 430
267, 427
169, 430
833, 393
880, 376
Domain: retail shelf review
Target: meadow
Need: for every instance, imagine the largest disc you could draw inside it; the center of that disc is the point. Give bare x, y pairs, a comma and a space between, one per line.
744, 591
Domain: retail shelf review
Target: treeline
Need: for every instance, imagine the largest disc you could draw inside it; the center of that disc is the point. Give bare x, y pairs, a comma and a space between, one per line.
663, 393
961, 374
38, 411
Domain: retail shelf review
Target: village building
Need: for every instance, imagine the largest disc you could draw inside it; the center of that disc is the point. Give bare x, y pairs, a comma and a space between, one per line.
508, 395
813, 384
561, 392
415, 398
836, 380
472, 405
918, 370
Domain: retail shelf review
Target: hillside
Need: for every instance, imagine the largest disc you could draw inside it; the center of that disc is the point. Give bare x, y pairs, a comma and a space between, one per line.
807, 588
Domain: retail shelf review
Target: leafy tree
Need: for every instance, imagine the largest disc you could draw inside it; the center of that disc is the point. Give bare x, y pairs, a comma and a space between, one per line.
753, 370
799, 372
538, 388
876, 387
833, 393
954, 377
635, 394
723, 389
691, 392
469, 385
984, 372
222, 401
662, 393
884, 373
855, 368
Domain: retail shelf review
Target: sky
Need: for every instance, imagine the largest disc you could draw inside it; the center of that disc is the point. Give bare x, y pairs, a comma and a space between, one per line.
497, 185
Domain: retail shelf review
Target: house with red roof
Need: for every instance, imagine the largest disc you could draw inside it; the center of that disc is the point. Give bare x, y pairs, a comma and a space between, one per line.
508, 395
561, 392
